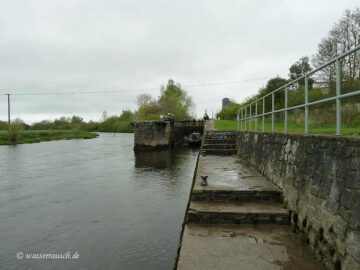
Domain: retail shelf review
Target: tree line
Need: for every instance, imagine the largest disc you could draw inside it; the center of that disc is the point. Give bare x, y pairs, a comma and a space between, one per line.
344, 35
173, 99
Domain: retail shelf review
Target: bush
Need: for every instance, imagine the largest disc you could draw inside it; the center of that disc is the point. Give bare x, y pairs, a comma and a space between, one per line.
229, 113
14, 129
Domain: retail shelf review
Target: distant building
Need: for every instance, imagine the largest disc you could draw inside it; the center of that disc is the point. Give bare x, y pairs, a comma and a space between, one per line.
226, 103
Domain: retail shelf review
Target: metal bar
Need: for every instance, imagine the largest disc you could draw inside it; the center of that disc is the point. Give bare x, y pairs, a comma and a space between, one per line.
351, 94
241, 119
347, 95
313, 71
286, 112
338, 93
306, 116
9, 118
263, 116
250, 119
237, 120
272, 112
256, 116
245, 118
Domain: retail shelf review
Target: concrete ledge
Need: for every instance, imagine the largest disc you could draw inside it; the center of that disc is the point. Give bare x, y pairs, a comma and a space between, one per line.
244, 247
238, 213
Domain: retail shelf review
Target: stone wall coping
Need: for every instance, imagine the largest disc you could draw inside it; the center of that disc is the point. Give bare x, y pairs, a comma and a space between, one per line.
341, 138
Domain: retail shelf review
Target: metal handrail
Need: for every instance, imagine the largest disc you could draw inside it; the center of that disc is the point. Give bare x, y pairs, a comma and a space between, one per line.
243, 112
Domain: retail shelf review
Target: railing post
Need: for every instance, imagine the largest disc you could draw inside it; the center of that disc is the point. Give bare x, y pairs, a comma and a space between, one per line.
245, 118
242, 120
338, 93
238, 120
240, 111
272, 112
250, 119
256, 116
286, 112
306, 116
263, 116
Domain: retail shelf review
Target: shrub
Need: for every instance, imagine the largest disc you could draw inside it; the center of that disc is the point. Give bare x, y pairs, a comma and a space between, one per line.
14, 129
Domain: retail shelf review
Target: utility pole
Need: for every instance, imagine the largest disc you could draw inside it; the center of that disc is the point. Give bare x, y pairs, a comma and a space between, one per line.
8, 108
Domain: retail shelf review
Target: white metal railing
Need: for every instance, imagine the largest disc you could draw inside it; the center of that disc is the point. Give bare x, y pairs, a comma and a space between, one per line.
245, 114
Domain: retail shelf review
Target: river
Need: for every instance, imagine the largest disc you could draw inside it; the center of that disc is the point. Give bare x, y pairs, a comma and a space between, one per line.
96, 199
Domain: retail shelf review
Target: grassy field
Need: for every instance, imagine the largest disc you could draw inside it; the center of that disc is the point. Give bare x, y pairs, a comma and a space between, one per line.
229, 125
35, 136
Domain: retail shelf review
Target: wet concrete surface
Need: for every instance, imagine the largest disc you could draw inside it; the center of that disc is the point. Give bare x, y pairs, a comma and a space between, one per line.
244, 247
237, 221
230, 173
239, 207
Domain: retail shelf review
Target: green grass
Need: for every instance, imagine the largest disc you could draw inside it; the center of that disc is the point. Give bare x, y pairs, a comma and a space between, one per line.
226, 125
230, 125
35, 136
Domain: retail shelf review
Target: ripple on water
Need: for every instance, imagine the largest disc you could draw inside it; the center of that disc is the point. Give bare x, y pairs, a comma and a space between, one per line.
117, 209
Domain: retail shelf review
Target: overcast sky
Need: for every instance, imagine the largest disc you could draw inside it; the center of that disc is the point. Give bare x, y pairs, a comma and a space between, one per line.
103, 45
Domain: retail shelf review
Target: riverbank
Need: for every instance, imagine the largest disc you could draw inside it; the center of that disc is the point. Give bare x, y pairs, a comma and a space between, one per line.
36, 136
230, 125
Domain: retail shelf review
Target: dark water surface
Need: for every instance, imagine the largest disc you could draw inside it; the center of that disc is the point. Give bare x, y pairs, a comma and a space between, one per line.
94, 197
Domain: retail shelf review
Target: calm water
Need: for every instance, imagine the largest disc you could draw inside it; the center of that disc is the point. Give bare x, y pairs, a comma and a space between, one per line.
94, 197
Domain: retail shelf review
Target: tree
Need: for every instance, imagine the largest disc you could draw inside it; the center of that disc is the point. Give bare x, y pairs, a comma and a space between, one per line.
77, 120
279, 96
144, 99
300, 68
126, 115
173, 99
344, 36
150, 111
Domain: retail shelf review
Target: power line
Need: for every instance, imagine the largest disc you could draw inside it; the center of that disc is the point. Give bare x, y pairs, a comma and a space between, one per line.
131, 90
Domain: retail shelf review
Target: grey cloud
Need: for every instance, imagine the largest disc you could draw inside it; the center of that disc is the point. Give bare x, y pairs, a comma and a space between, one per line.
109, 45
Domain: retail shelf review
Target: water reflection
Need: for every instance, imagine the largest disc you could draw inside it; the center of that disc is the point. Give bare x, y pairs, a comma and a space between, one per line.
155, 159
118, 209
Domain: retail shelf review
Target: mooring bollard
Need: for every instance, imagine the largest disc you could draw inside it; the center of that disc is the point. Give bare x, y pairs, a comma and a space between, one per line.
204, 180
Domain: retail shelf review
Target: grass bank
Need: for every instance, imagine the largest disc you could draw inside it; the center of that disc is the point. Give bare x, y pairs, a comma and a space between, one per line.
35, 136
230, 125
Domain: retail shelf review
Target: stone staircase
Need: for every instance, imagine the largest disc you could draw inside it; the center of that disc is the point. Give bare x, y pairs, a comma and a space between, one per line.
219, 143
235, 197
237, 220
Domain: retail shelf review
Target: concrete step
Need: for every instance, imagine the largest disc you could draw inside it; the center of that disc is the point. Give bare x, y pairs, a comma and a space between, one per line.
237, 213
234, 247
219, 141
219, 152
218, 195
220, 137
219, 133
219, 146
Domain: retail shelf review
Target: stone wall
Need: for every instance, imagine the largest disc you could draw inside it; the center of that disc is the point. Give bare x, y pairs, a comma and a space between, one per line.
320, 177
155, 135
152, 135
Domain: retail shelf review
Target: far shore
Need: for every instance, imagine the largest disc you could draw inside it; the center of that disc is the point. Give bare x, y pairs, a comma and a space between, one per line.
36, 136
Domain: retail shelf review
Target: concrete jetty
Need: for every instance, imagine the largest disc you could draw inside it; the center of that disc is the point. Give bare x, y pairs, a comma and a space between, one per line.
238, 220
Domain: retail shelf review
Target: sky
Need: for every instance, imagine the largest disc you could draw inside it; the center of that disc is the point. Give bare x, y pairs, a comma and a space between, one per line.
133, 47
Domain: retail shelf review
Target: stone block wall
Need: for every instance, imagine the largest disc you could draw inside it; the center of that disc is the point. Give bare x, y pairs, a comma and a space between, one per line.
152, 135
320, 178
